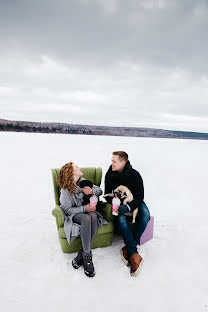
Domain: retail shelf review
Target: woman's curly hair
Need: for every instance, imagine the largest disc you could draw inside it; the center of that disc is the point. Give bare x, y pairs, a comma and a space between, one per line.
65, 178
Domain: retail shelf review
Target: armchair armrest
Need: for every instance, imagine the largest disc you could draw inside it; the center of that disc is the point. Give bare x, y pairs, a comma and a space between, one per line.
58, 214
106, 210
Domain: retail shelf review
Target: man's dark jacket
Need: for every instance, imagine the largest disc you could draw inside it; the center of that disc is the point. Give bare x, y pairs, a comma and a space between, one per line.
128, 177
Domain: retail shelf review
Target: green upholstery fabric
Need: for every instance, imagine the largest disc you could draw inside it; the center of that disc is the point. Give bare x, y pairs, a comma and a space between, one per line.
56, 189
104, 234
58, 214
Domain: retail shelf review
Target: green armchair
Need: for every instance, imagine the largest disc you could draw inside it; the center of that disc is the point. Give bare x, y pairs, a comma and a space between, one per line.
104, 234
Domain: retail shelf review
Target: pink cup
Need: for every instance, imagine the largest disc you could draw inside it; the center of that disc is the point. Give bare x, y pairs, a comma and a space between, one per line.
93, 201
115, 209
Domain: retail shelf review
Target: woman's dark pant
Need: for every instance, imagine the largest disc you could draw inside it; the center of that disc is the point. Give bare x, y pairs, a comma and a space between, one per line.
132, 236
88, 222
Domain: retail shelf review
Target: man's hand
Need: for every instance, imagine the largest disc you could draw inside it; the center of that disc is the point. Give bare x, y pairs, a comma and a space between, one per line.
87, 190
122, 209
90, 208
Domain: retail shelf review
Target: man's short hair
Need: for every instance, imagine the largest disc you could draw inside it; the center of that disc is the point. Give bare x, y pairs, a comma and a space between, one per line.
122, 155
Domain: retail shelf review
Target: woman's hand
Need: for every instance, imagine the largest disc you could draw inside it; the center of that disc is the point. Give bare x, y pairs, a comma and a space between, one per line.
87, 190
90, 208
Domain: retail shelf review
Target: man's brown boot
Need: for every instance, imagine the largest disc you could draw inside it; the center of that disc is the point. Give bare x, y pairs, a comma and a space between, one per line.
136, 262
124, 255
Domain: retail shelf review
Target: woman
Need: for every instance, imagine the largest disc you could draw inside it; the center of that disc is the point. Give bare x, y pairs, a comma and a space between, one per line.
79, 218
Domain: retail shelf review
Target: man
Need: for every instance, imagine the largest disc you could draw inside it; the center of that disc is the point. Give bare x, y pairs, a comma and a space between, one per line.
122, 173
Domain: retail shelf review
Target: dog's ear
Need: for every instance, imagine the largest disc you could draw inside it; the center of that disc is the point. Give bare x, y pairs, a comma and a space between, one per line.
116, 190
124, 195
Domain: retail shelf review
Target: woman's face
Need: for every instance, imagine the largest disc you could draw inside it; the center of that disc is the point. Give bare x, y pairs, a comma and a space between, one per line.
77, 171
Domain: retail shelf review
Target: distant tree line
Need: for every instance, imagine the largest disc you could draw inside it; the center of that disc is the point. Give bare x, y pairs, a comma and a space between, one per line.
38, 127
43, 129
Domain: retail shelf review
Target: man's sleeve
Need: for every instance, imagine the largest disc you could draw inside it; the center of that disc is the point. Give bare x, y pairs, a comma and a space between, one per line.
107, 190
138, 193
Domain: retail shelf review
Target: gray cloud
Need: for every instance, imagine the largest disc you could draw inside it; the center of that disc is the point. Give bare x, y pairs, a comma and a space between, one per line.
77, 60
164, 33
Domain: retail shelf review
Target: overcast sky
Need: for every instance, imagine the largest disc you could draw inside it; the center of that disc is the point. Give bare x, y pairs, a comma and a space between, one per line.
110, 62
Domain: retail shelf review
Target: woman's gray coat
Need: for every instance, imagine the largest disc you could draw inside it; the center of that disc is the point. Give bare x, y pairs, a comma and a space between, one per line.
72, 204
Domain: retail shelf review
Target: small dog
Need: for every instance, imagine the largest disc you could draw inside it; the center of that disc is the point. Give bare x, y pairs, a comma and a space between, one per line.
125, 195
82, 184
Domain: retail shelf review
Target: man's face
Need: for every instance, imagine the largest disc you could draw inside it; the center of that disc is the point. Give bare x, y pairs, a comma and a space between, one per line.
117, 163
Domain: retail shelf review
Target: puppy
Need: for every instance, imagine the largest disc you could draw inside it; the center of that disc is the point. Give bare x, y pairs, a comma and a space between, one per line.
125, 195
82, 184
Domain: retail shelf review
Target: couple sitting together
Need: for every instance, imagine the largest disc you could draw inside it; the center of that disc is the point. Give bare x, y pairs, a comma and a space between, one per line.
82, 218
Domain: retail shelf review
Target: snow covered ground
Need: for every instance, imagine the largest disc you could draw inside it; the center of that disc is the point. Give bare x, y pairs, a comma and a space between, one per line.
36, 275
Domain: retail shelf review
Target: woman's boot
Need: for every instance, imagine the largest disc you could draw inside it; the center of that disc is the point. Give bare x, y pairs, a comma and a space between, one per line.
77, 262
88, 264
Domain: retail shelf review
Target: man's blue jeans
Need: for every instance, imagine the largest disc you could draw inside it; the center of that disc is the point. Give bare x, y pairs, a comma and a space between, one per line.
131, 236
